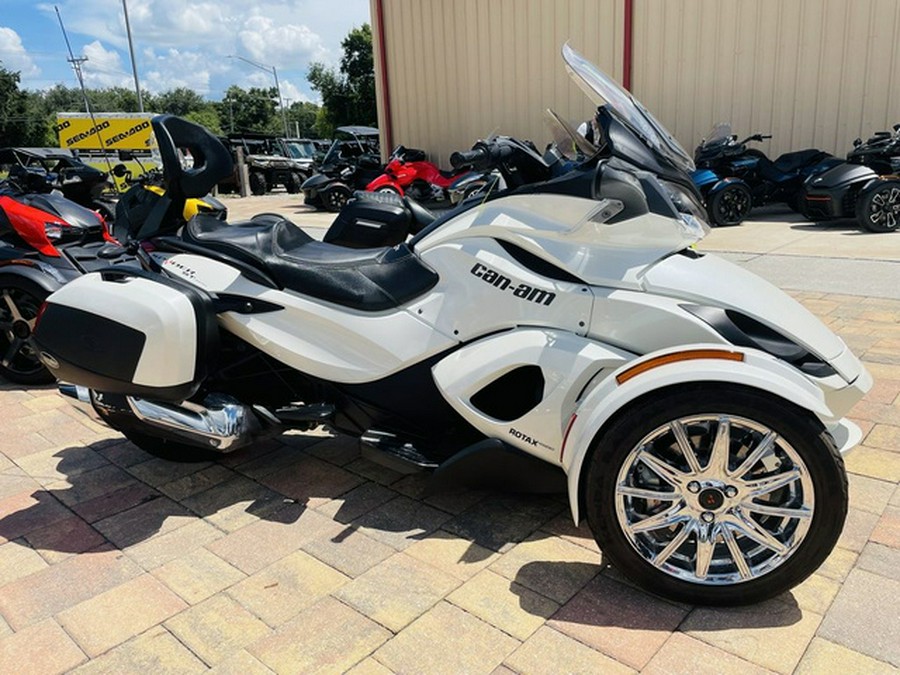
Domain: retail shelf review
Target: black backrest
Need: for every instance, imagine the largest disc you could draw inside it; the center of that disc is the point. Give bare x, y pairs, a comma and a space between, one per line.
211, 160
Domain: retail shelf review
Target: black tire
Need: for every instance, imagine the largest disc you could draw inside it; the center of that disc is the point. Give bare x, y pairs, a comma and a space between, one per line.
172, 451
258, 185
293, 183
388, 189
618, 469
18, 362
878, 206
335, 197
730, 205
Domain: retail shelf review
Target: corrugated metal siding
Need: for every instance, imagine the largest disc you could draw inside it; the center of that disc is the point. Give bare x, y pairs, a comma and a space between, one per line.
813, 73
810, 72
460, 70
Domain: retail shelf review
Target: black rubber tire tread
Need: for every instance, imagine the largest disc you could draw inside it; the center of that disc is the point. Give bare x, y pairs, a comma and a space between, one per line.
293, 183
38, 376
172, 451
713, 208
258, 185
800, 428
330, 198
865, 199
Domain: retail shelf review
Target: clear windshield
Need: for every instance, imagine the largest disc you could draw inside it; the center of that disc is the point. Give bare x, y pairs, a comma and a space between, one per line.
566, 138
719, 132
302, 149
603, 90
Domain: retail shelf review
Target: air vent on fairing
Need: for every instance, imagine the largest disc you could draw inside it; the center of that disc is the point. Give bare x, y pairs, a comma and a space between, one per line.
511, 395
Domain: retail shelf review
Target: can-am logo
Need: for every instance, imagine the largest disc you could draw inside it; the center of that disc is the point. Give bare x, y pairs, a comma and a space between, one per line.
504, 283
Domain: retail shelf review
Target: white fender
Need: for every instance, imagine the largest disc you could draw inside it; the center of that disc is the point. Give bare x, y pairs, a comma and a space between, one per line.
757, 370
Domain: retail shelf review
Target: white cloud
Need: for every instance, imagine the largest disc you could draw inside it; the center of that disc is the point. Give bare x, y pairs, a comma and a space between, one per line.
174, 69
13, 55
104, 67
285, 44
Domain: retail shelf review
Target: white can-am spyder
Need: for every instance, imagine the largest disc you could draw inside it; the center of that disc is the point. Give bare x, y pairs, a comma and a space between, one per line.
696, 411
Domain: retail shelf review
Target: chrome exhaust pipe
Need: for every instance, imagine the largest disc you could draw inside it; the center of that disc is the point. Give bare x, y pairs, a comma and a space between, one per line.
76, 391
219, 423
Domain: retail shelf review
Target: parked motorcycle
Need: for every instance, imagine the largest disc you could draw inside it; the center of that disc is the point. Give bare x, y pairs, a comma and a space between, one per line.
734, 178
408, 173
42, 170
352, 162
865, 187
696, 411
45, 241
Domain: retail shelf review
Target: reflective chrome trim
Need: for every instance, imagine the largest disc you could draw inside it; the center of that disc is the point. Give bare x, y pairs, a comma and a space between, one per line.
714, 499
220, 423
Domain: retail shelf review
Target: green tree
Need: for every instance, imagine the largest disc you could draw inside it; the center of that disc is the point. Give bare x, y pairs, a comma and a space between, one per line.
251, 110
208, 117
348, 96
180, 101
18, 123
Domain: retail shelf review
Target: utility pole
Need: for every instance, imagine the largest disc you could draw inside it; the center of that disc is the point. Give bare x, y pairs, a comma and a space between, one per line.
269, 69
137, 85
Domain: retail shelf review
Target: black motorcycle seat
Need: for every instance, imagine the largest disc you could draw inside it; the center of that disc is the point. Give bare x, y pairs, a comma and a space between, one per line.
421, 217
791, 162
370, 280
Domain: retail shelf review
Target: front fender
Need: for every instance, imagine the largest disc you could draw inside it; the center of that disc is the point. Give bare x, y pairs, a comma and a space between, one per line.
607, 397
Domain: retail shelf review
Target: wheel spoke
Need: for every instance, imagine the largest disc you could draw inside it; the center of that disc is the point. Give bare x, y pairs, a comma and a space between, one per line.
10, 354
749, 528
671, 516
673, 545
643, 493
718, 458
757, 454
706, 545
737, 555
12, 306
763, 486
667, 472
778, 511
684, 444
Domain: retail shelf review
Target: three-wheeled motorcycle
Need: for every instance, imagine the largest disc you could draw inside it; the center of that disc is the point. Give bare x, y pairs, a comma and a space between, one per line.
695, 412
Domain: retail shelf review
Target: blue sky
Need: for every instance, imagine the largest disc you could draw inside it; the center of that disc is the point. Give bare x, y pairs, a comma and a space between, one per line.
178, 43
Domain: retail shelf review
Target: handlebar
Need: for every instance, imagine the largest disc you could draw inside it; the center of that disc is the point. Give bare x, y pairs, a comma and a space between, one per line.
756, 137
466, 158
483, 156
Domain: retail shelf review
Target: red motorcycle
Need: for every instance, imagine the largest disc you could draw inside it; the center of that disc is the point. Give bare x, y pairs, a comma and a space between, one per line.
408, 173
46, 240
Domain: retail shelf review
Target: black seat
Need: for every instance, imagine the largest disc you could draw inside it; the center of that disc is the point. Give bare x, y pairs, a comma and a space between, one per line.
366, 279
421, 217
791, 162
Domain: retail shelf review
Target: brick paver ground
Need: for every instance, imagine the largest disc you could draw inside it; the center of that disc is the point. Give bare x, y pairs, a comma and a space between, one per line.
300, 556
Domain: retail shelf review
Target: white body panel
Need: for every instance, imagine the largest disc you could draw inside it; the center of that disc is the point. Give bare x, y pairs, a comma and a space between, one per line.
568, 362
164, 315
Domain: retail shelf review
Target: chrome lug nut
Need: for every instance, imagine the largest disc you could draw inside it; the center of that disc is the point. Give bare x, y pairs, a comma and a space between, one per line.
707, 516
693, 486
731, 491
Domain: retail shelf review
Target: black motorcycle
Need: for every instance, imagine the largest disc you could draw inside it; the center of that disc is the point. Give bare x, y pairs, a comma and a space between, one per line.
734, 178
352, 162
865, 187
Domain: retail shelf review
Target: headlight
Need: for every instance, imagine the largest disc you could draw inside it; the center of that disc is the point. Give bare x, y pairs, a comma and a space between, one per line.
689, 208
54, 231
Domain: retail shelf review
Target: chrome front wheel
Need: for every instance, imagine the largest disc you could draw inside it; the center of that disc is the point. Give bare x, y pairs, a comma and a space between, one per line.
712, 497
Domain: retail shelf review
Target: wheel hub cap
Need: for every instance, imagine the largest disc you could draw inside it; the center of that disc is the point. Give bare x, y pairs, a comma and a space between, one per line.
21, 330
711, 499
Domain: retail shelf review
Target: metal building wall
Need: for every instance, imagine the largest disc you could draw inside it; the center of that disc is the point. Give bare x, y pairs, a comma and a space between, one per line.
813, 73
810, 72
459, 70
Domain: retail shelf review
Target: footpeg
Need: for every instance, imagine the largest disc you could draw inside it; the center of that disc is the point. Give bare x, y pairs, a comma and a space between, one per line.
305, 415
390, 451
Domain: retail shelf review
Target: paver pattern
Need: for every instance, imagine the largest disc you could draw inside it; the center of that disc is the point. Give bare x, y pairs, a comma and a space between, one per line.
298, 555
